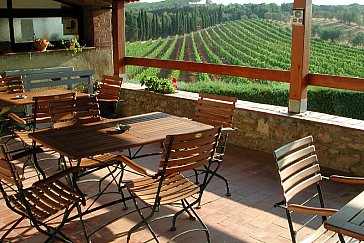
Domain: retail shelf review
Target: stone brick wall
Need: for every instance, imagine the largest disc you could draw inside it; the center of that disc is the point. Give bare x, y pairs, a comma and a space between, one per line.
339, 147
97, 28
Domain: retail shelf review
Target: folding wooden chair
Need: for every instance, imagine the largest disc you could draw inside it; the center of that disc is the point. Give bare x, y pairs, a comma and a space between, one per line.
41, 203
108, 95
40, 118
298, 170
85, 110
181, 153
10, 85
217, 110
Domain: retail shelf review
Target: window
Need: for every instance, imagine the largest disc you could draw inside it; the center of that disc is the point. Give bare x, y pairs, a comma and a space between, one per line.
24, 21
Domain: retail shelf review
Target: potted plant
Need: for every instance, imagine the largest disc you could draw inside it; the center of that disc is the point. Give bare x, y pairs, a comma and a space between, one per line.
72, 45
42, 44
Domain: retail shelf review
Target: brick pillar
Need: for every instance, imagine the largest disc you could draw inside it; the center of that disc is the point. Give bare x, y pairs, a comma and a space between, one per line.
97, 24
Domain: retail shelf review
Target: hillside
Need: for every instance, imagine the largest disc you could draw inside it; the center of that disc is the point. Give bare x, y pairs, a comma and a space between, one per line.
159, 5
251, 42
353, 27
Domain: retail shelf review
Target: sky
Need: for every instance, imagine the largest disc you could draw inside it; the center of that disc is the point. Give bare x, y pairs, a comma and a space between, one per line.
316, 2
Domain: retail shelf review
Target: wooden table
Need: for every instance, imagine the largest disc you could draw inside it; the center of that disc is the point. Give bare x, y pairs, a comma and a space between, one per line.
77, 142
349, 220
9, 100
82, 141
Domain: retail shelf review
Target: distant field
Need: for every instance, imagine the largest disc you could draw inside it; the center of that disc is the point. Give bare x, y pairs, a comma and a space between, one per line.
253, 42
337, 24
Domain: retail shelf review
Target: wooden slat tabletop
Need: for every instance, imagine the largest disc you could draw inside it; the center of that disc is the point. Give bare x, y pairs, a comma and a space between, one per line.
349, 220
82, 141
9, 100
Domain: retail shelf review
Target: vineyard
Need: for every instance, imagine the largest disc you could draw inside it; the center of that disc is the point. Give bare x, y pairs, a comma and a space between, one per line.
254, 43
251, 42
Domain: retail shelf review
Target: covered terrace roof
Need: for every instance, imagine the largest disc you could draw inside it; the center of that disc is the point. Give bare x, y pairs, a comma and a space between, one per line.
98, 3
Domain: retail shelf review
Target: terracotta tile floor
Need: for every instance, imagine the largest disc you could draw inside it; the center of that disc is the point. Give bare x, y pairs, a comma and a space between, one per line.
247, 216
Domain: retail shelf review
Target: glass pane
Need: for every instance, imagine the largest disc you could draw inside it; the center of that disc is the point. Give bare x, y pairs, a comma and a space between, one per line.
2, 3
4, 36
28, 29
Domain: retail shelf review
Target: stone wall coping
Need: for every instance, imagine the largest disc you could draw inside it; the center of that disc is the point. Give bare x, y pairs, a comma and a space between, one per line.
86, 48
281, 111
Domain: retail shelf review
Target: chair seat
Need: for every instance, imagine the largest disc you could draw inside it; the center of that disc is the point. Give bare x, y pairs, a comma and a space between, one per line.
96, 161
175, 187
46, 200
23, 135
322, 235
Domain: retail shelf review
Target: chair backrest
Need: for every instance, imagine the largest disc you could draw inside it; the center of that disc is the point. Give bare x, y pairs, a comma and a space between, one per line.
188, 151
82, 110
11, 84
297, 167
215, 110
110, 88
40, 111
8, 175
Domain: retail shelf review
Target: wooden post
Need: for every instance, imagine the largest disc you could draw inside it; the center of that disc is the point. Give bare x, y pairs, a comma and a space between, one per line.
118, 36
300, 58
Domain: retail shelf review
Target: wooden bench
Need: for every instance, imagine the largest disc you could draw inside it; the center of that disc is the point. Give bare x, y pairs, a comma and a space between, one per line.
50, 77
25, 72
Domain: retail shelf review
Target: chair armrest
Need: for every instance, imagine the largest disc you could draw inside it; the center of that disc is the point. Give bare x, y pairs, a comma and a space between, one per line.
134, 166
18, 119
311, 210
347, 179
57, 176
229, 129
4, 110
26, 152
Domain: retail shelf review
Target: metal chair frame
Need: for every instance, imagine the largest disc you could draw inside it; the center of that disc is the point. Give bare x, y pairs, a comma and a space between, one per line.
10, 85
216, 110
40, 116
28, 203
85, 110
181, 153
298, 169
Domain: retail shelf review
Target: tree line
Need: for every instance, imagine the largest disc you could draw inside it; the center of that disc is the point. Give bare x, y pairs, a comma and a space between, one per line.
148, 23
144, 25
170, 17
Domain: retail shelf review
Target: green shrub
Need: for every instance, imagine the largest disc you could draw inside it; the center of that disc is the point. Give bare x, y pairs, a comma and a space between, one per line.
153, 83
336, 102
324, 100
261, 93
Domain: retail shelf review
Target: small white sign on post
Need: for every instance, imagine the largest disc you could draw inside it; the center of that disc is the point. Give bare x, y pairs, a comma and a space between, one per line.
298, 16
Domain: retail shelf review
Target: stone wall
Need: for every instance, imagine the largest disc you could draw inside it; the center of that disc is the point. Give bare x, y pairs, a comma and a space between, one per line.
97, 27
90, 58
339, 146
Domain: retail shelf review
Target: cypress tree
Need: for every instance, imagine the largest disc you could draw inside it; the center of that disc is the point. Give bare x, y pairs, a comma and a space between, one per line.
146, 26
163, 26
153, 32
157, 27
140, 26
219, 15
